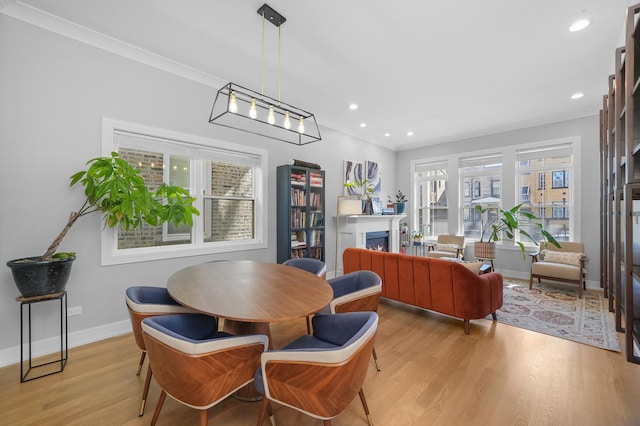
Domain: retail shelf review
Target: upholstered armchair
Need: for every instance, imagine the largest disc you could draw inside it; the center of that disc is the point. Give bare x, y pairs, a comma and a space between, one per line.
563, 264
320, 375
144, 302
447, 246
197, 365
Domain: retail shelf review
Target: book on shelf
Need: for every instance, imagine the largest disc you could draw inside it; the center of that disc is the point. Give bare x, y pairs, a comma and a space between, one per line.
315, 179
298, 178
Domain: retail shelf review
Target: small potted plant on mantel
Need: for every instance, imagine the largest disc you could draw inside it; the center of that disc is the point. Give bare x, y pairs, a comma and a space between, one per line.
400, 203
511, 222
115, 189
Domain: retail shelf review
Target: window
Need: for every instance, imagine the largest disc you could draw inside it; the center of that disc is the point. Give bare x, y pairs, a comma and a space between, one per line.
433, 209
553, 205
560, 179
507, 176
227, 180
495, 188
480, 172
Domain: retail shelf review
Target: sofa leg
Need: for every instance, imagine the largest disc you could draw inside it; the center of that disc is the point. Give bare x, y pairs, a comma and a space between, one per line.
466, 326
494, 316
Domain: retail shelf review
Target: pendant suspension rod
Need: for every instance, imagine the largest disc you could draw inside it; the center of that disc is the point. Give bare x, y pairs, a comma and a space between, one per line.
262, 66
279, 29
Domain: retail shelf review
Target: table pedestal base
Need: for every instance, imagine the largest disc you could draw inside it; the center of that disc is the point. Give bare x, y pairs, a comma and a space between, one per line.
249, 392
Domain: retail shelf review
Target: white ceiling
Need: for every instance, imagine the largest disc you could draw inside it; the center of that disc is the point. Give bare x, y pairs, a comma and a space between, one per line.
446, 70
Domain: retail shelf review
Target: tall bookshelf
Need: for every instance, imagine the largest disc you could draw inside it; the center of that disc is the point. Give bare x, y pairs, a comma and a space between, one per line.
301, 212
620, 173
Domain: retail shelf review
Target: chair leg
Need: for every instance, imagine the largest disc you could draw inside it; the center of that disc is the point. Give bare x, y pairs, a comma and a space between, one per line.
265, 408
365, 406
204, 417
156, 413
144, 354
145, 392
308, 325
530, 281
375, 358
466, 326
494, 316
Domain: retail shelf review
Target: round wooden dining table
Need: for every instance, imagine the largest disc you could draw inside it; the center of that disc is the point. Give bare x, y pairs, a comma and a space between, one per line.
250, 294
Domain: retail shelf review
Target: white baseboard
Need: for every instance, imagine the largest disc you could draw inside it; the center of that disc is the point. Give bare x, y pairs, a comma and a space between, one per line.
78, 338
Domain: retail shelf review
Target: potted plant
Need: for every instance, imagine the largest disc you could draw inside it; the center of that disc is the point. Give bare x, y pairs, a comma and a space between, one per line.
417, 236
363, 189
400, 203
116, 190
511, 222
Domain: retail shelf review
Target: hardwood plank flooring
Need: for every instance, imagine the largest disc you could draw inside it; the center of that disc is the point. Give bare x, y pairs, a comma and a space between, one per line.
432, 374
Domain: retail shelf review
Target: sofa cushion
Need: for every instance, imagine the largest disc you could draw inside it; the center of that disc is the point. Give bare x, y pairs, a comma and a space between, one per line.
566, 257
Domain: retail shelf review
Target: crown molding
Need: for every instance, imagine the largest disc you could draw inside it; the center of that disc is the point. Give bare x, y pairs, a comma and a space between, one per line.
39, 18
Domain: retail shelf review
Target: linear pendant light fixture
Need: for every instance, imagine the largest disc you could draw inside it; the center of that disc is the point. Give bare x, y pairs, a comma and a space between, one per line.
240, 108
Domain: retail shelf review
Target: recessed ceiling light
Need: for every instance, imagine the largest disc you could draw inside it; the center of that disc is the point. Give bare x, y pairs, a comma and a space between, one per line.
363, 124
353, 107
579, 25
387, 135
577, 95
409, 133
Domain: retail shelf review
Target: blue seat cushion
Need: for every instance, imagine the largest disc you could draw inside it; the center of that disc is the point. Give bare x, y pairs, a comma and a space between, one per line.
189, 327
150, 295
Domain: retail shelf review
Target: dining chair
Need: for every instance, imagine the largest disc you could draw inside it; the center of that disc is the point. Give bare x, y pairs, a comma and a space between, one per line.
353, 292
144, 302
309, 264
197, 365
320, 374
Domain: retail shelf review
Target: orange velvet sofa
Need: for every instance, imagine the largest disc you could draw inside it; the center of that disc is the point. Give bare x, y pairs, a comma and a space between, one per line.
437, 285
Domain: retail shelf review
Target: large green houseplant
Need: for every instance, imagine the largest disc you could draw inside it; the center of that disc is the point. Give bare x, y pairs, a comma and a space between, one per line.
512, 222
115, 189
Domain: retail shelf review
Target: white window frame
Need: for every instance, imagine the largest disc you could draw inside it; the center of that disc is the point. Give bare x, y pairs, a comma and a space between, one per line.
510, 185
110, 255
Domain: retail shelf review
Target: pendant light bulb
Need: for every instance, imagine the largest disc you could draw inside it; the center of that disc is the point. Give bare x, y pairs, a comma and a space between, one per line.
287, 121
253, 112
271, 118
301, 125
233, 103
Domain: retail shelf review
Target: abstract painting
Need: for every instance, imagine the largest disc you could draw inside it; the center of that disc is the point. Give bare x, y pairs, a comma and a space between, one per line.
373, 175
353, 171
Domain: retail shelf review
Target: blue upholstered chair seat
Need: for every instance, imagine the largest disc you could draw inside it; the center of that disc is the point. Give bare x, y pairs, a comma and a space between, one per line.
193, 328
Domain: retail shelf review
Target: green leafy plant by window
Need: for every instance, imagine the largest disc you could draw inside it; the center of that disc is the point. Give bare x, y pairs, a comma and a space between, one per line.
115, 189
512, 222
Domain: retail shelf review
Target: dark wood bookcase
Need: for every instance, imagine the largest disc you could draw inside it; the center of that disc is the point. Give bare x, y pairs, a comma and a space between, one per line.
301, 212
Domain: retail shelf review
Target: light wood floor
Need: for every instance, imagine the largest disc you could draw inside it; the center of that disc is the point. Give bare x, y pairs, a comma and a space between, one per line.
432, 374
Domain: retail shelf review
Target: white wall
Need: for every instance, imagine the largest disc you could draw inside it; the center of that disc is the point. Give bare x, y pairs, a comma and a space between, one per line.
511, 262
54, 92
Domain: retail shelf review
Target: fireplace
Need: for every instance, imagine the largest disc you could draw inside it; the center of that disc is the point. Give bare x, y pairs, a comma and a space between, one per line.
378, 240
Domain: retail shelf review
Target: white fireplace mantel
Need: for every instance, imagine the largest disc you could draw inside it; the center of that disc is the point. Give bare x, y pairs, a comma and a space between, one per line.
353, 229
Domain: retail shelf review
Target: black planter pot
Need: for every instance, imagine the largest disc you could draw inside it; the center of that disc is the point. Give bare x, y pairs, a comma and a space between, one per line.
35, 277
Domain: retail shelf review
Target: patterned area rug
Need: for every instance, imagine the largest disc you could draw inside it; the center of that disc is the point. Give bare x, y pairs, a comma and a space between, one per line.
558, 312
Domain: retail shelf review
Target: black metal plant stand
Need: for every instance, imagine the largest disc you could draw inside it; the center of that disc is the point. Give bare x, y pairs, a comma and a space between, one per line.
64, 338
